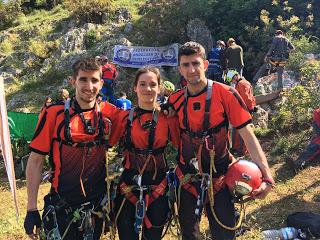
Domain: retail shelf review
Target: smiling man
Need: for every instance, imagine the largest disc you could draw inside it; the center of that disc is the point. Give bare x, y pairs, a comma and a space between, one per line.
74, 135
204, 109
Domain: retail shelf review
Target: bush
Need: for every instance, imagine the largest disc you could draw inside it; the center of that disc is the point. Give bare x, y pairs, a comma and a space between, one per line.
91, 38
8, 13
38, 48
89, 10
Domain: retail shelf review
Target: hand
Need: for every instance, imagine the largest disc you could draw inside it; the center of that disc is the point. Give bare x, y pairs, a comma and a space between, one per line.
32, 220
168, 110
262, 191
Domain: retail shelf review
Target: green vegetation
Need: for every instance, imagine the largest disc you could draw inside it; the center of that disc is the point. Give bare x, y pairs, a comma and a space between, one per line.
89, 10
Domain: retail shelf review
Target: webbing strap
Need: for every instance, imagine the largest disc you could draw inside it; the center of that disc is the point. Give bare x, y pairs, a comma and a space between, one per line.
156, 192
67, 129
129, 143
206, 121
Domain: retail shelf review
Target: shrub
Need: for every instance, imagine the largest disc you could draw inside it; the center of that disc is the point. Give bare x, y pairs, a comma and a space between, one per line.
91, 38
38, 48
89, 10
8, 13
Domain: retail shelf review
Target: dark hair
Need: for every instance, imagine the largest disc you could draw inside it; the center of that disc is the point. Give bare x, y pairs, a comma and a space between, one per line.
147, 69
86, 64
279, 32
190, 48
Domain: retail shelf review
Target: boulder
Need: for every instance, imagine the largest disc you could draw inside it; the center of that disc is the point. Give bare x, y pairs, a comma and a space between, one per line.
123, 15
197, 31
260, 118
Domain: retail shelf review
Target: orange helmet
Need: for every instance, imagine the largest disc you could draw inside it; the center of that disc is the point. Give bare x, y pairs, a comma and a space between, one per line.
243, 177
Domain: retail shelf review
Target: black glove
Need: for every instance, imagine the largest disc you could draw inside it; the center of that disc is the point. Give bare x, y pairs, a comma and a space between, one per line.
32, 219
166, 106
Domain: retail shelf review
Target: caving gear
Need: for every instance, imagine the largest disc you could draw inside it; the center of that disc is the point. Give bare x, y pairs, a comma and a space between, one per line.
243, 177
169, 86
230, 75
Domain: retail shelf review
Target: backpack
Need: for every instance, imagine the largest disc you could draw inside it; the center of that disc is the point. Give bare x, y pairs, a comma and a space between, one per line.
308, 222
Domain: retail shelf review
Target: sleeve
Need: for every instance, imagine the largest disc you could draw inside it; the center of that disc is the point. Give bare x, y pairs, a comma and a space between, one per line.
235, 108
41, 141
273, 44
223, 60
290, 45
118, 128
173, 124
316, 122
246, 94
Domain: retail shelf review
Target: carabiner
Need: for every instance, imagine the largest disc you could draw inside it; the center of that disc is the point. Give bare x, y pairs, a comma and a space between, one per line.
207, 143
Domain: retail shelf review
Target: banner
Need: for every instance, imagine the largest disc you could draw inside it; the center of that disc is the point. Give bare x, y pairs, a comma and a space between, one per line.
136, 56
22, 125
6, 145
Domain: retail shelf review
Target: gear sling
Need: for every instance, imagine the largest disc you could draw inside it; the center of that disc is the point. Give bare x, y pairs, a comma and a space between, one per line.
139, 195
205, 141
72, 209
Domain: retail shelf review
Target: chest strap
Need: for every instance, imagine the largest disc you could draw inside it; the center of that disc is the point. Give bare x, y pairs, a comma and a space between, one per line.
206, 122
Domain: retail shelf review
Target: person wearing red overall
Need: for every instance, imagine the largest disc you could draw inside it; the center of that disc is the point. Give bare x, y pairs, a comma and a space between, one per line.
312, 151
145, 132
109, 75
73, 133
204, 109
245, 90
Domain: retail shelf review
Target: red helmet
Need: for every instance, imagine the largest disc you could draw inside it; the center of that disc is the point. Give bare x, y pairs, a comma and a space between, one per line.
243, 177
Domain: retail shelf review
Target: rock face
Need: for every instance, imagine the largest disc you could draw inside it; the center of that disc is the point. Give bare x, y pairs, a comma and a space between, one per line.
260, 118
123, 15
269, 83
197, 31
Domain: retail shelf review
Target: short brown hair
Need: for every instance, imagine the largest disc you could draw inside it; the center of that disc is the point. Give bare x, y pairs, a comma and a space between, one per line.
279, 32
190, 48
147, 69
86, 64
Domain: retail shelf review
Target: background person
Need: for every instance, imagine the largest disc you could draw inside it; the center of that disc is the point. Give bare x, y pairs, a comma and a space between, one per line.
245, 90
123, 102
109, 76
278, 55
217, 62
234, 56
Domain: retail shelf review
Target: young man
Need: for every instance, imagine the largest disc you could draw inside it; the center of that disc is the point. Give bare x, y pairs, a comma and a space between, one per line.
204, 111
245, 90
278, 54
73, 134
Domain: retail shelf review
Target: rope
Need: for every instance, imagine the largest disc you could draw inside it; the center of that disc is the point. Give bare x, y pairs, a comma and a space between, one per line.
211, 200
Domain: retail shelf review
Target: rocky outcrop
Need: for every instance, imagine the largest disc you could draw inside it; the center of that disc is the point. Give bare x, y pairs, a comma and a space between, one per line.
198, 31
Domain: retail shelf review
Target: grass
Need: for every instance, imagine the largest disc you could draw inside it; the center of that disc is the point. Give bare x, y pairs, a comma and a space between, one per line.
292, 193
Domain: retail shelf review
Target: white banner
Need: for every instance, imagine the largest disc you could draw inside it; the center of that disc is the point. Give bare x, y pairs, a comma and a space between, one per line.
137, 56
6, 145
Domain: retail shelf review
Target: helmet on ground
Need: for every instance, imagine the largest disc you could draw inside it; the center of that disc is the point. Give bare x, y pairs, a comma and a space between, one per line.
169, 86
230, 75
243, 177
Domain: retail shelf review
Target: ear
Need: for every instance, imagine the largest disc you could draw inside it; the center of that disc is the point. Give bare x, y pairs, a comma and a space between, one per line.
101, 83
135, 89
206, 64
73, 81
